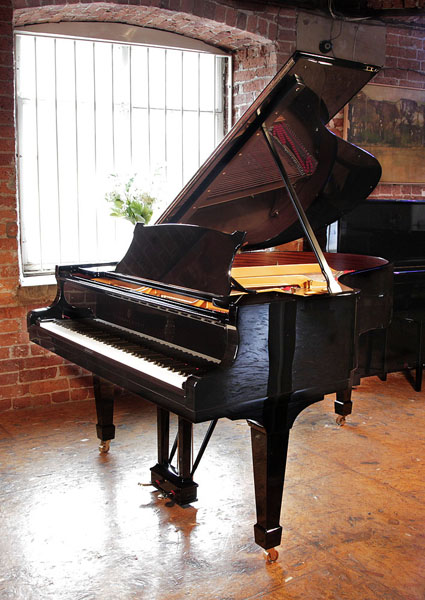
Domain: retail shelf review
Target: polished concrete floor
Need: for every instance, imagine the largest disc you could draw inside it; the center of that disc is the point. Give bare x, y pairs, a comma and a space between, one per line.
76, 525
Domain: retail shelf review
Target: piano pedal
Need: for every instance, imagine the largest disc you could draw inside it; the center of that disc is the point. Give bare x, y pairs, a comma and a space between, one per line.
271, 555
104, 446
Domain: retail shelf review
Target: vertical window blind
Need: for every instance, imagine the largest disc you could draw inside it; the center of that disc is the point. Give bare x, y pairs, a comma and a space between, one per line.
91, 112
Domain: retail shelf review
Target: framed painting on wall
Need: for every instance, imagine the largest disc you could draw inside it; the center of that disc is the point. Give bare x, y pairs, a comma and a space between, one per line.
389, 122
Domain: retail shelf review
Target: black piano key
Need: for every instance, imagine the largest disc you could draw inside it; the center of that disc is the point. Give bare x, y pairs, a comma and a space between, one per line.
130, 343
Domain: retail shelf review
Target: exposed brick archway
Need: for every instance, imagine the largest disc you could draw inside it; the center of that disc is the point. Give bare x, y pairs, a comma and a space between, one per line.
221, 34
255, 47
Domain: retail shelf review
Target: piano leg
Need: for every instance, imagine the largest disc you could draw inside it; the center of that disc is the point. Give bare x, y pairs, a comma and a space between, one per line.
177, 484
104, 399
343, 406
269, 452
163, 435
420, 356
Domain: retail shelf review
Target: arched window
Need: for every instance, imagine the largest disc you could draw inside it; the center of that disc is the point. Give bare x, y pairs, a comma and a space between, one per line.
100, 103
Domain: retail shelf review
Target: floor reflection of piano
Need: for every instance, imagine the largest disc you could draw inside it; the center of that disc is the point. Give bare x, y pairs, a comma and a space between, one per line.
201, 322
394, 229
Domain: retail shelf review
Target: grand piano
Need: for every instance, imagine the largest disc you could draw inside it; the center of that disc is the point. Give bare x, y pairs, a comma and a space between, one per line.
200, 318
397, 229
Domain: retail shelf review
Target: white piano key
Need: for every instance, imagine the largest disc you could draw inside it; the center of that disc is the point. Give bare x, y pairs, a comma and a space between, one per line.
151, 369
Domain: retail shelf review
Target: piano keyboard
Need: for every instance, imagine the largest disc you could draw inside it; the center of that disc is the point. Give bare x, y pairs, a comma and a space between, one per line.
108, 341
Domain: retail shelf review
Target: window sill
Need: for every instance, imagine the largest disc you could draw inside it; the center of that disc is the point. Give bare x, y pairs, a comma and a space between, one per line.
38, 280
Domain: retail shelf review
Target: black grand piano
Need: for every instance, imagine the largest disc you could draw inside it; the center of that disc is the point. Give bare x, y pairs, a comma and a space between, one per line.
397, 228
199, 318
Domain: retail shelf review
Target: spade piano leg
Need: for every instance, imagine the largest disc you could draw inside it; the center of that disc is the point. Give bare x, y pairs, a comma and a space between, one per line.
269, 452
104, 399
175, 483
343, 406
420, 356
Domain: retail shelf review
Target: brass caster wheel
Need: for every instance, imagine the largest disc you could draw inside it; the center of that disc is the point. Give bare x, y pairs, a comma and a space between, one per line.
340, 420
104, 446
271, 555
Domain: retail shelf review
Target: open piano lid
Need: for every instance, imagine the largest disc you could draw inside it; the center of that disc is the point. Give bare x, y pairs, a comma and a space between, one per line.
240, 187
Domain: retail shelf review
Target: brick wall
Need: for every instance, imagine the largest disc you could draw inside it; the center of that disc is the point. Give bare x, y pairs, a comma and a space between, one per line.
260, 41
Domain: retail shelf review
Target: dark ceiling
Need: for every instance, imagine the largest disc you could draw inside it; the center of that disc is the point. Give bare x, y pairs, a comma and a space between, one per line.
410, 11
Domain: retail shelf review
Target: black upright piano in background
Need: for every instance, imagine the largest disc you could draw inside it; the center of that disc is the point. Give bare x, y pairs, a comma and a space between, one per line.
201, 319
395, 230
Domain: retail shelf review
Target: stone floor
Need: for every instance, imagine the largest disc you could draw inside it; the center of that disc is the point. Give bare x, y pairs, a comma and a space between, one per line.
76, 525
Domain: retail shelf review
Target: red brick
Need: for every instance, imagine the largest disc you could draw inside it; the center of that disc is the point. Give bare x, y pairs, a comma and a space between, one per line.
252, 23
46, 360
9, 378
8, 298
4, 353
6, 59
7, 200
6, 89
404, 63
7, 173
6, 14
38, 351
413, 77
273, 31
83, 381
20, 351
6, 103
257, 85
70, 370
58, 397
6, 73
268, 72
285, 49
220, 13
41, 400
286, 22
13, 391
5, 404
406, 41
81, 394
12, 312
9, 325
9, 271
6, 214
41, 387
7, 366
27, 376
6, 115
25, 402
6, 158
231, 16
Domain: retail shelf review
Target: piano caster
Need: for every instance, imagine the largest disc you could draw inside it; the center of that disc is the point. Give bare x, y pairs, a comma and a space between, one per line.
104, 446
271, 555
340, 420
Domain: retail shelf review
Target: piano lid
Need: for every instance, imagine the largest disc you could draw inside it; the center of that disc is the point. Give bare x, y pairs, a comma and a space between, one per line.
240, 187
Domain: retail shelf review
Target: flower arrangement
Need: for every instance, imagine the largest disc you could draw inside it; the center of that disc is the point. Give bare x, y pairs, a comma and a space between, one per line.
129, 202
